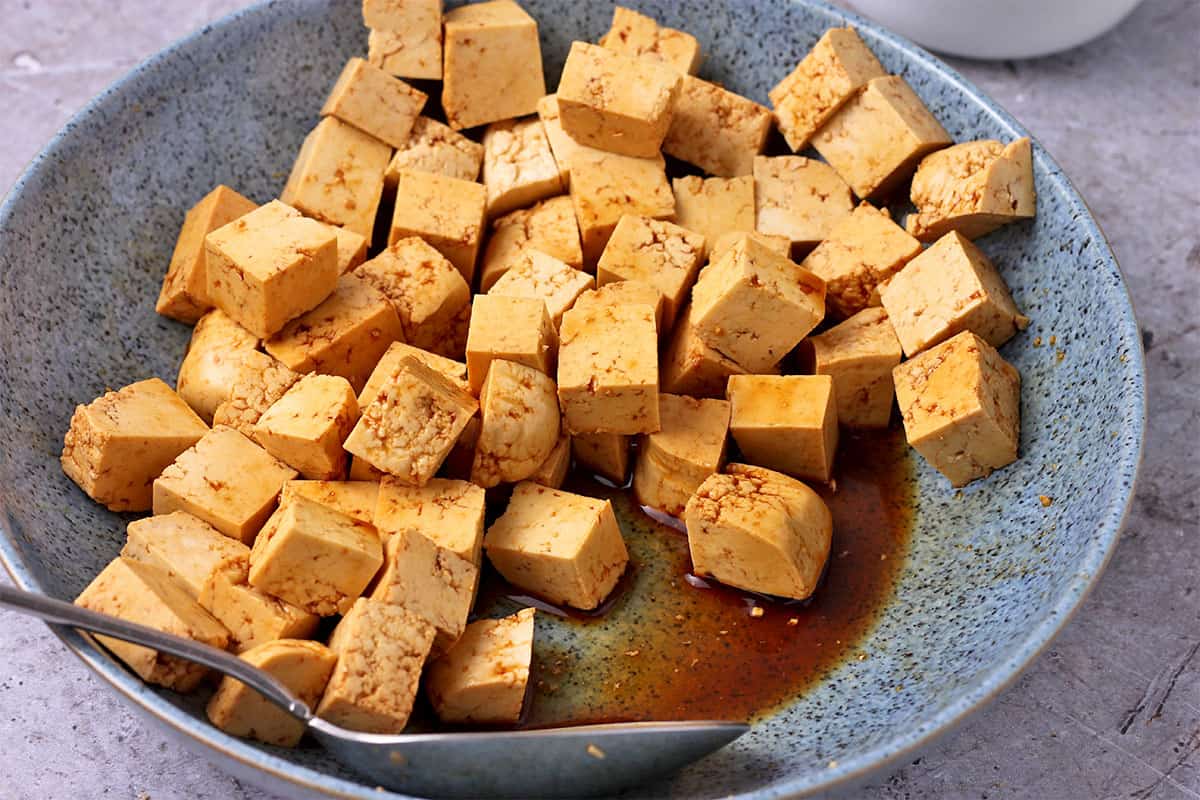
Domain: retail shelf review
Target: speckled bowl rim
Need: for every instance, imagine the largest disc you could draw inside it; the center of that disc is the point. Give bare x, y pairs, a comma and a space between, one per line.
247, 760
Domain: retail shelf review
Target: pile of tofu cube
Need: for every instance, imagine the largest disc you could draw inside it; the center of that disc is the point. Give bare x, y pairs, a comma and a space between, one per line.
545, 297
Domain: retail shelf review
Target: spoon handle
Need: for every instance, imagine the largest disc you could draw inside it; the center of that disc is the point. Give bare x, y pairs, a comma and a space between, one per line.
51, 610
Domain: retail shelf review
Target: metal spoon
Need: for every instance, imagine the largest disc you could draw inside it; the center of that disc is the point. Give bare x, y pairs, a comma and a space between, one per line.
554, 762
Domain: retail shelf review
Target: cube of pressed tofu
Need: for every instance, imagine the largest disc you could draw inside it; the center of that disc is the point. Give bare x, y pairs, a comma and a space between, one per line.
338, 176
859, 354
482, 680
261, 380
306, 427
950, 287
715, 129
961, 406
607, 187
362, 471
540, 276
838, 66
787, 423
564, 148
690, 367
564, 547
673, 462
877, 138
381, 650
429, 581
226, 480
776, 244
799, 198
410, 46
437, 148
862, 251
187, 547
345, 335
758, 530
149, 595
446, 212
639, 36
371, 100
518, 167
493, 64
447, 512
604, 454
659, 253
430, 295
972, 188
754, 305
252, 616
549, 226
213, 362
409, 428
356, 499
520, 424
120, 442
713, 207
624, 293
513, 328
553, 471
269, 266
615, 102
608, 370
303, 667
351, 249
184, 293
456, 371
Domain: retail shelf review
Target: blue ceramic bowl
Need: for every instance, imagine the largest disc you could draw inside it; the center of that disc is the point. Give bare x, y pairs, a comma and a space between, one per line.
991, 573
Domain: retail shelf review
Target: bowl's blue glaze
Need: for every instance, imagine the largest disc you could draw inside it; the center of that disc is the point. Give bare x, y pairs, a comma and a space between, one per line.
991, 575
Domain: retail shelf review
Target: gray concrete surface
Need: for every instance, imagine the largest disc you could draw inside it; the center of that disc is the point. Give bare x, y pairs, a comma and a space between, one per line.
1111, 710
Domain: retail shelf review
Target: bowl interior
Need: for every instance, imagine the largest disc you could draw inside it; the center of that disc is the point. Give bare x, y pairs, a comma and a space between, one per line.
992, 572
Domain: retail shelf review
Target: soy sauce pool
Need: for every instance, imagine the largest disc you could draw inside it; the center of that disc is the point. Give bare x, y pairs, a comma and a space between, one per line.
671, 647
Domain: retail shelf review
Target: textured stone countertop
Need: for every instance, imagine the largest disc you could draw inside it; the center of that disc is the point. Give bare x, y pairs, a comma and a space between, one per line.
1111, 710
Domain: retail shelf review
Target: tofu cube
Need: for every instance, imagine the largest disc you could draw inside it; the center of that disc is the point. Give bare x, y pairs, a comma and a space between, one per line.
838, 66
306, 427
520, 424
754, 305
658, 253
713, 207
638, 36
355, 499
260, 381
690, 367
518, 167
604, 454
270, 266
213, 362
360, 470
381, 651
493, 64
606, 188
148, 595
437, 148
408, 430
252, 616
760, 531
455, 371
303, 667
406, 37
859, 354
877, 138
539, 276
950, 287
973, 188
351, 249
787, 423
608, 370
715, 129
448, 213
561, 546
482, 680
614, 102
862, 252
188, 548
799, 198
226, 480
548, 226
447, 512
371, 100
961, 406
673, 462
776, 244
184, 293
512, 328
120, 442
624, 293
553, 471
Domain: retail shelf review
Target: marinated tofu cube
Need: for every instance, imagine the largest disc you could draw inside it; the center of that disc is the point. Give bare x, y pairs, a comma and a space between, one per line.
690, 367
351, 249
715, 129
539, 276
604, 454
859, 354
549, 226
120, 442
520, 424
446, 212
355, 499
606, 188
252, 616
776, 244
561, 546
213, 362
184, 293
260, 381
381, 651
638, 36
564, 148
659, 253
226, 480
371, 100
512, 328
187, 547
787, 423
973, 188
950, 287
493, 64
713, 207
409, 428
624, 293
799, 198
608, 370
406, 37
303, 667
862, 251
447, 512
961, 406
518, 167
306, 427
270, 266
360, 470
673, 462
877, 138
437, 148
455, 371
482, 680
553, 471
148, 595
838, 66
758, 530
